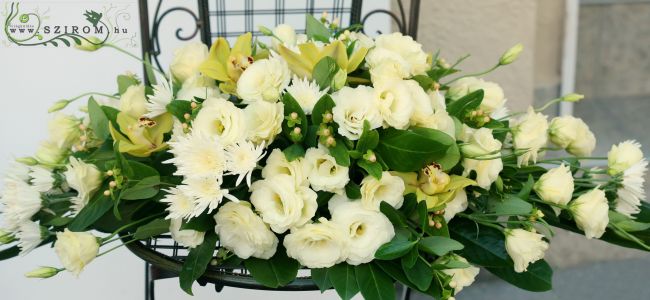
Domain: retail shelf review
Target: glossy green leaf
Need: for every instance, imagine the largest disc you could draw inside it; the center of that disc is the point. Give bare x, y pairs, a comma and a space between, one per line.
151, 229
10, 252
291, 106
98, 120
410, 150
294, 152
95, 209
343, 278
197, 262
275, 272
460, 107
321, 278
352, 190
178, 108
368, 139
324, 104
510, 205
374, 283
420, 274
124, 82
439, 245
316, 30
340, 153
204, 222
396, 248
324, 72
372, 168
145, 188
395, 216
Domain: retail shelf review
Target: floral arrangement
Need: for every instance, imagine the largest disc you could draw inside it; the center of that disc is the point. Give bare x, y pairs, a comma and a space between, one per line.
367, 161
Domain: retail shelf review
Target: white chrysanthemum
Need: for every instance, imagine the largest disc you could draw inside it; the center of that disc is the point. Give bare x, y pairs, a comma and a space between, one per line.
242, 158
29, 236
243, 232
389, 189
529, 135
206, 192
20, 202
17, 171
264, 80
42, 179
163, 94
306, 93
263, 121
186, 237
277, 164
524, 247
631, 191
179, 204
353, 107
198, 154
220, 117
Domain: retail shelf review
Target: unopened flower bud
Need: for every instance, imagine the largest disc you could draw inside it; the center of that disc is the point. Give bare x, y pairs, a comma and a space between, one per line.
339, 79
107, 193
187, 116
27, 160
511, 55
193, 105
92, 43
327, 117
43, 272
109, 173
265, 30
112, 184
6, 237
573, 97
297, 130
59, 105
330, 142
294, 115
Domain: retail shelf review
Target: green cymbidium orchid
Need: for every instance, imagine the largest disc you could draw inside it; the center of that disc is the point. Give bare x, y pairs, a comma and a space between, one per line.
141, 137
434, 186
302, 63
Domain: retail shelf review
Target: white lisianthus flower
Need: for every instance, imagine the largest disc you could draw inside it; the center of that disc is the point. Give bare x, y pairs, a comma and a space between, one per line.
530, 135
75, 249
179, 204
42, 178
493, 96
163, 94
243, 232
264, 80
395, 103
462, 277
198, 86
220, 117
187, 60
206, 192
323, 173
439, 120
572, 134
631, 190
277, 164
85, 179
20, 202
317, 245
423, 104
624, 155
524, 247
306, 93
389, 188
481, 142
555, 186
264, 121
242, 158
50, 153
367, 230
361, 39
64, 130
283, 34
283, 204
353, 107
457, 205
186, 237
386, 71
402, 50
198, 154
29, 235
591, 213
134, 102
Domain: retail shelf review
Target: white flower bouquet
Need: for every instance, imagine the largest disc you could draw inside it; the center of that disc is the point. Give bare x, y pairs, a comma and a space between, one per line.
357, 158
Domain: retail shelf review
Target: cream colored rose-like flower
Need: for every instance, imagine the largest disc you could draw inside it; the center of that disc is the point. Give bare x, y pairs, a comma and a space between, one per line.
423, 105
353, 107
493, 96
481, 142
75, 249
187, 60
462, 277
198, 154
524, 247
306, 93
283, 204
20, 202
323, 173
386, 71
264, 80
529, 136
457, 205
439, 120
590, 212
389, 188
242, 231
400, 49
317, 245
283, 34
263, 121
85, 179
186, 237
198, 86
555, 186
64, 130
367, 230
572, 134
395, 103
220, 117
50, 153
277, 164
134, 102
487, 171
623, 155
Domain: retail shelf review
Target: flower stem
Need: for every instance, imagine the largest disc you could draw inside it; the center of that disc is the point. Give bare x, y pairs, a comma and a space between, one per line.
116, 232
148, 64
475, 74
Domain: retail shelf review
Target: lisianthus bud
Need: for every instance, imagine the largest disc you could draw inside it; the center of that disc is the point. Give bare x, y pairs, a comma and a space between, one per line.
43, 272
59, 105
92, 43
590, 212
76, 249
572, 134
265, 30
27, 160
556, 185
511, 55
524, 247
573, 97
339, 79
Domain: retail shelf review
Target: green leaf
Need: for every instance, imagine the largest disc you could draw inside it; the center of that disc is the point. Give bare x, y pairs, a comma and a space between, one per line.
111, 115
290, 106
485, 246
316, 30
524, 193
151, 229
324, 104
342, 277
395, 216
148, 68
510, 205
179, 108
294, 152
396, 248
352, 190
368, 139
373, 168
460, 107
439, 245
324, 72
420, 274
409, 260
202, 223
95, 209
410, 150
140, 170
124, 82
451, 158
394, 269
98, 120
10, 252
340, 153
146, 188
374, 283
275, 272
197, 262
424, 81
321, 278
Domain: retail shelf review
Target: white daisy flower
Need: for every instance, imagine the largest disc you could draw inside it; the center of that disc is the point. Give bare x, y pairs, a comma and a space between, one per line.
20, 202
41, 178
306, 93
198, 155
631, 192
180, 204
206, 193
29, 236
17, 171
242, 158
163, 94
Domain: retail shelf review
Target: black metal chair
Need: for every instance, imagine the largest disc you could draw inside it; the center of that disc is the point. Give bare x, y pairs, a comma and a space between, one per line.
221, 18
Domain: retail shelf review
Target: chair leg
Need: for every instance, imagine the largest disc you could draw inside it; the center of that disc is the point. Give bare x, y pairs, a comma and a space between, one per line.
405, 292
149, 283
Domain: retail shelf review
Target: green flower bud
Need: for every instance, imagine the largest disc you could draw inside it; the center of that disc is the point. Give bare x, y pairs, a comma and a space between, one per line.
43, 272
91, 44
265, 30
27, 160
59, 105
339, 79
6, 237
573, 97
511, 55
